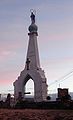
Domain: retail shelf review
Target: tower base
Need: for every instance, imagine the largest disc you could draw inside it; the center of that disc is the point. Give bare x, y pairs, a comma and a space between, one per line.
40, 85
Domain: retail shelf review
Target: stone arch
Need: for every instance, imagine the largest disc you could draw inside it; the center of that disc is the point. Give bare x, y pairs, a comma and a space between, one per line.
29, 90
37, 85
25, 81
27, 77
40, 86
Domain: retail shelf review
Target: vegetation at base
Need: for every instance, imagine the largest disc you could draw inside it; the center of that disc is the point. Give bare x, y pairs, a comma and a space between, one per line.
64, 102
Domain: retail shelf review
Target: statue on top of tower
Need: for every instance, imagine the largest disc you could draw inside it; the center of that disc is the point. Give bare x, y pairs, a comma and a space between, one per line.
32, 18
33, 27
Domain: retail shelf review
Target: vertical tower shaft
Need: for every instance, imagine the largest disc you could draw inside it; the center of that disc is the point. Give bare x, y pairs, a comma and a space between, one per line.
32, 68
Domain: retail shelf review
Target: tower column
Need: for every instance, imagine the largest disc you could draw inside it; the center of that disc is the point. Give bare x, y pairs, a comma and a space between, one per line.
32, 67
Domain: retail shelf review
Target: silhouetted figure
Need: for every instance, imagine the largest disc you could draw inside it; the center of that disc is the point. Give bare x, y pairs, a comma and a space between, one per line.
32, 18
28, 63
8, 100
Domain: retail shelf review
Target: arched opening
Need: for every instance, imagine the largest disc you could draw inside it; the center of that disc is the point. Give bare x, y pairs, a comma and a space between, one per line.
29, 90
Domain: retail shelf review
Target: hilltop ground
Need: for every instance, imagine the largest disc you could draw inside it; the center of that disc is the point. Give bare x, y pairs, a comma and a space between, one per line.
33, 114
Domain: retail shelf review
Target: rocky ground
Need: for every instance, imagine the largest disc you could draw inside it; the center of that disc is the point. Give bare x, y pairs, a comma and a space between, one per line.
32, 114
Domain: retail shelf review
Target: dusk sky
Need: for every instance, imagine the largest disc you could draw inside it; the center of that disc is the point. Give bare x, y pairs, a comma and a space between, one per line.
54, 19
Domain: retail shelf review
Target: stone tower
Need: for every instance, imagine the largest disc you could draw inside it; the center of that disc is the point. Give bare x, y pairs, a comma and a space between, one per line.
32, 68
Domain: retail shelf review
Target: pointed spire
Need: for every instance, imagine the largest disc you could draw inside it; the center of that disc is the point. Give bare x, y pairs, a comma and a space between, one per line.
32, 53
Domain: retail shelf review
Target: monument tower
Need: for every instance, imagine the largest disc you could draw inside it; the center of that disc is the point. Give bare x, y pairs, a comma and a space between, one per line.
32, 68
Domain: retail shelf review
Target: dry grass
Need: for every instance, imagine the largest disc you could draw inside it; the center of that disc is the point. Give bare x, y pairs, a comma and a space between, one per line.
29, 114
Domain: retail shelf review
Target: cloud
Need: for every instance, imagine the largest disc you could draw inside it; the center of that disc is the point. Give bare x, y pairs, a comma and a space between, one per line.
4, 54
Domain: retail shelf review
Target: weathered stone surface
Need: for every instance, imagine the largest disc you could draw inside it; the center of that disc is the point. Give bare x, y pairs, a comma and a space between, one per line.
32, 71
